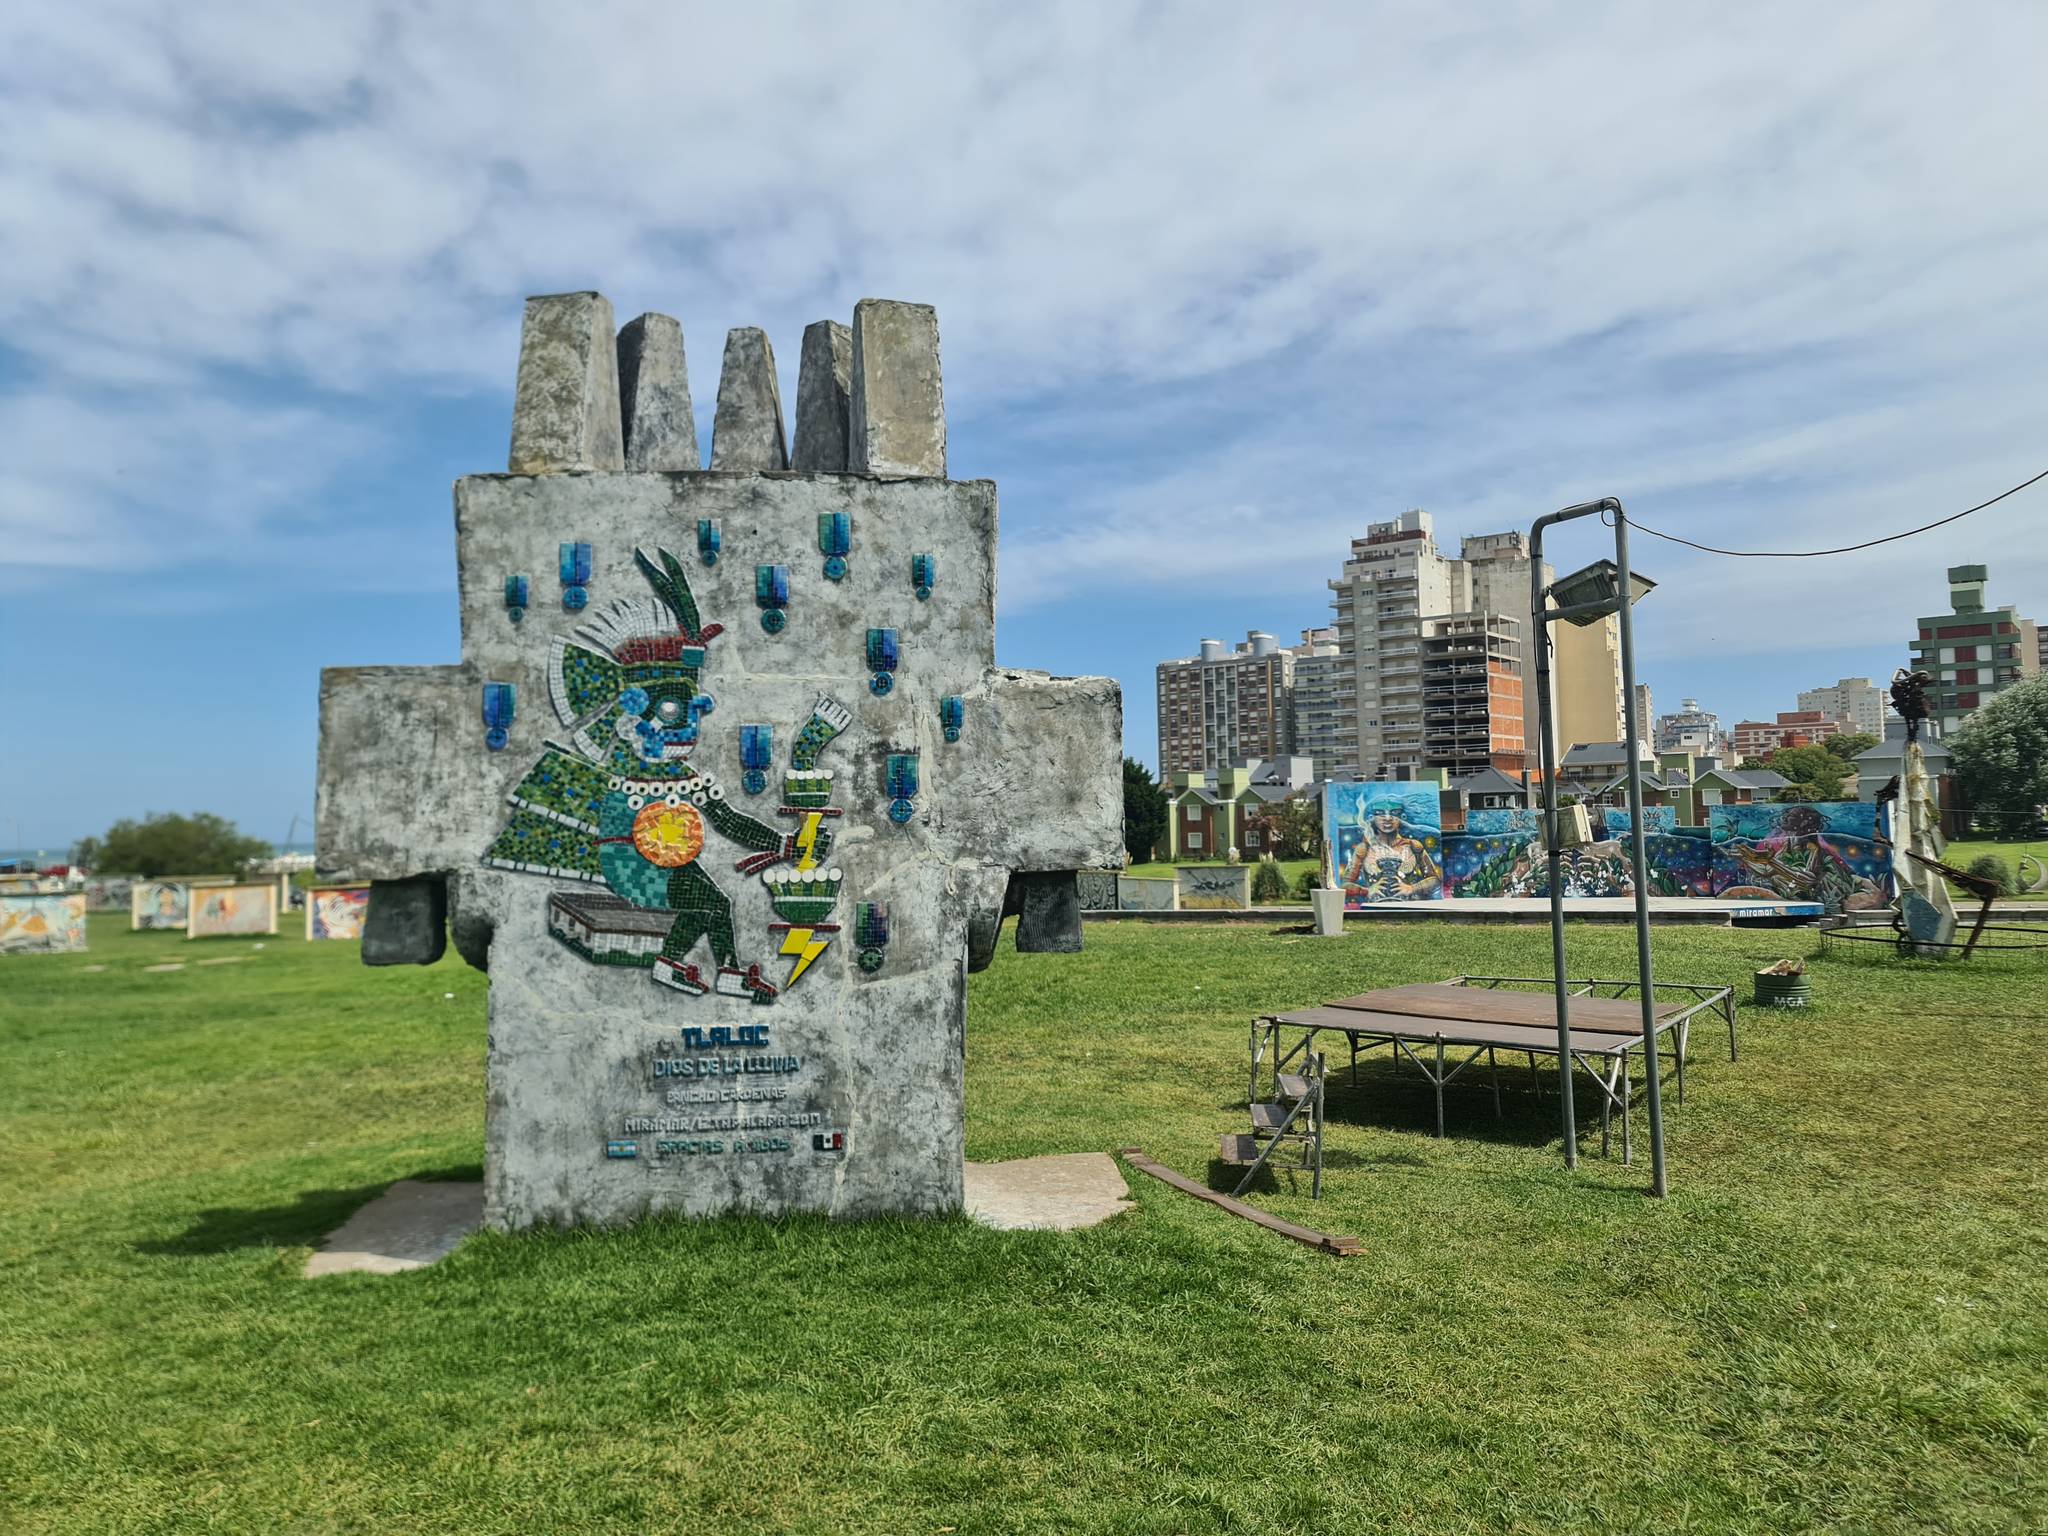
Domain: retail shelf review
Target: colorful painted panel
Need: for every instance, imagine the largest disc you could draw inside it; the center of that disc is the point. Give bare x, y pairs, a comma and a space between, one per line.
1656, 818
1139, 893
231, 911
337, 912
158, 904
1834, 853
1385, 841
1513, 865
108, 893
42, 925
1512, 818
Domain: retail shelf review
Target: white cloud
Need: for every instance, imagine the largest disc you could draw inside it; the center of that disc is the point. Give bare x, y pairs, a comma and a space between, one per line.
1765, 271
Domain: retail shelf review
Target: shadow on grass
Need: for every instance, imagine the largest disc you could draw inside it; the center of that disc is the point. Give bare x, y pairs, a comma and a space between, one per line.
312, 1214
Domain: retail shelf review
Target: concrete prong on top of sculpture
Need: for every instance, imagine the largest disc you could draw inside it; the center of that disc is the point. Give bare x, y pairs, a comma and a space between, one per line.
747, 432
565, 408
898, 413
654, 396
824, 398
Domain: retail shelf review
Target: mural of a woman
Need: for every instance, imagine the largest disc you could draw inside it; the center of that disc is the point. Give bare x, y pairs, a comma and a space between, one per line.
1389, 863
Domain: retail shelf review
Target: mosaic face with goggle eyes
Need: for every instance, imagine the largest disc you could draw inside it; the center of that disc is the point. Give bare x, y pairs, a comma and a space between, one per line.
658, 716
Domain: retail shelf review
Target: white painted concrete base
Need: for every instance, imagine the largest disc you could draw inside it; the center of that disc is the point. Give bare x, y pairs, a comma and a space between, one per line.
1060, 1193
409, 1226
1329, 909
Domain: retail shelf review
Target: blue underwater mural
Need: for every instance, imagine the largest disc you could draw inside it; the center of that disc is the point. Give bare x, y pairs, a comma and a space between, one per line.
1835, 853
1385, 841
1514, 818
1656, 818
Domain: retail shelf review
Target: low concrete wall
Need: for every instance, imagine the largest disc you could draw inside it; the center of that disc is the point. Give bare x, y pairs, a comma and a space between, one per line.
1138, 894
1218, 887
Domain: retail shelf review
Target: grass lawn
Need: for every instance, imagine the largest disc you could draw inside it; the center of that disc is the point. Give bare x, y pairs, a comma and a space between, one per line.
1960, 853
1835, 1322
1291, 868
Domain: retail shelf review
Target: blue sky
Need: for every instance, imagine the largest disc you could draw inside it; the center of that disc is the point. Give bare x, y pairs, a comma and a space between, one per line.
1214, 293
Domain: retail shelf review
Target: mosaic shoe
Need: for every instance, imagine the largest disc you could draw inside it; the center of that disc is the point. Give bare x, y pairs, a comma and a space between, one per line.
684, 978
748, 983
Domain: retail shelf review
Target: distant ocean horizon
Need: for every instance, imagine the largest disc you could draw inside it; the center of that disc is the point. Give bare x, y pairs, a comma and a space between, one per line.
48, 856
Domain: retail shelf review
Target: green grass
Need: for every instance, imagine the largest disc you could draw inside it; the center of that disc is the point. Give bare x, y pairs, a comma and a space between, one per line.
1960, 853
1835, 1322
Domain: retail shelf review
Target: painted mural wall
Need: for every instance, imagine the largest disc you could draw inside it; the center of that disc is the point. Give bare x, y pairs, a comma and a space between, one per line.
158, 904
1386, 841
1656, 818
42, 924
108, 893
226, 911
1494, 823
1833, 853
337, 912
1096, 889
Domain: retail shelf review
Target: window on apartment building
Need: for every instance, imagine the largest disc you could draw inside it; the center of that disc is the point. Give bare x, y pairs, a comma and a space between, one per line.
1966, 653
1966, 701
1194, 813
1194, 840
1966, 675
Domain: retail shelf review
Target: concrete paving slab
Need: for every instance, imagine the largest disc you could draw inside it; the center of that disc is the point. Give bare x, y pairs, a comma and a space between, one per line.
409, 1226
1060, 1193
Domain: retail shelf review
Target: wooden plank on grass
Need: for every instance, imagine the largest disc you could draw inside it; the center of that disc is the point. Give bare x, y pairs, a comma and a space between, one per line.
1342, 1247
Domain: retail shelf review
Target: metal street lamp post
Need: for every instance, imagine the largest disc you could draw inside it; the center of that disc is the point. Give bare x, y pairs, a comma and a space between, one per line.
1585, 597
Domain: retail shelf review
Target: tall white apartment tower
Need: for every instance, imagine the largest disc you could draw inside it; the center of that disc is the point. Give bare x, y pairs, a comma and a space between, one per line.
1394, 577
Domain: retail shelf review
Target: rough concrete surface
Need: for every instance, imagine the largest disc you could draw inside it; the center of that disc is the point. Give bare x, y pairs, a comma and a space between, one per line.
898, 411
747, 431
1059, 1193
824, 397
655, 414
409, 1226
565, 407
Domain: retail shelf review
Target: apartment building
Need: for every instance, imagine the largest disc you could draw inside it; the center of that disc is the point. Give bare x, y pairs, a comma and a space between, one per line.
1972, 652
1323, 694
1692, 729
1395, 577
1226, 705
1758, 739
1855, 701
1472, 702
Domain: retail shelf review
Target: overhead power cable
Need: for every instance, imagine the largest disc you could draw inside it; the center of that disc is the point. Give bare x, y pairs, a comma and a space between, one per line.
1809, 554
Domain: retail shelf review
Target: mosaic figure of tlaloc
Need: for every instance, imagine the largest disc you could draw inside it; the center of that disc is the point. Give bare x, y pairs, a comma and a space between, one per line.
726, 792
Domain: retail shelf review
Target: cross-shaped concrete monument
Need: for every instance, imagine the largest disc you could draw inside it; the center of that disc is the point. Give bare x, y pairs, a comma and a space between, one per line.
727, 792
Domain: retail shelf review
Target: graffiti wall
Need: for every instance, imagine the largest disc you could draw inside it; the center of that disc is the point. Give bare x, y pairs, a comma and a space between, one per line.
1834, 853
1219, 887
1512, 864
337, 912
40, 924
157, 904
226, 911
1385, 841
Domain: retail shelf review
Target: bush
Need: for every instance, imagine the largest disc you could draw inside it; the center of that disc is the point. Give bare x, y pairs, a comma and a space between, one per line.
1305, 884
1269, 881
1989, 866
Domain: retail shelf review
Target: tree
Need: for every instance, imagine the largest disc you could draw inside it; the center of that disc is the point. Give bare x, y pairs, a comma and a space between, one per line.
1846, 747
1297, 828
169, 844
2001, 755
1145, 811
1815, 773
